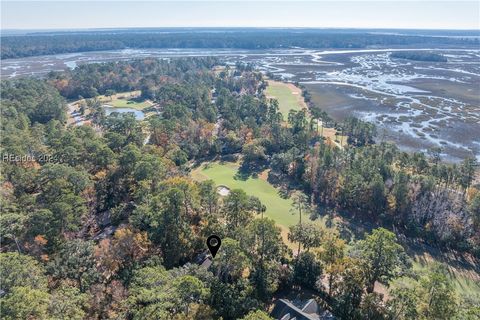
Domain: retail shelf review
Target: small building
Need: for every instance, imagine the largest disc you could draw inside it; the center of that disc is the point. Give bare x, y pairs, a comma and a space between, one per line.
204, 260
309, 310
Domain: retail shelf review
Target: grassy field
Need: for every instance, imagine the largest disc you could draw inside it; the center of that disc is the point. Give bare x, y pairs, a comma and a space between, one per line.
278, 208
465, 278
125, 100
225, 174
466, 282
288, 96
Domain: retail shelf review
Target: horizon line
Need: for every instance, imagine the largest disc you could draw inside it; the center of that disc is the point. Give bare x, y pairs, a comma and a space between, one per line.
238, 27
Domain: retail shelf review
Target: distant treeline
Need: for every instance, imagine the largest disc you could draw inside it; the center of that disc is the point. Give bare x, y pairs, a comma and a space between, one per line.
44, 44
419, 56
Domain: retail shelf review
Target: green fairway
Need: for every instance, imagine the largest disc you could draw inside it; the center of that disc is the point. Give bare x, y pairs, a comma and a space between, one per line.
224, 174
121, 103
288, 96
125, 100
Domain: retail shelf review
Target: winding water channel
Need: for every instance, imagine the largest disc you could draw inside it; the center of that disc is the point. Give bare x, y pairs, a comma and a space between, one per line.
416, 104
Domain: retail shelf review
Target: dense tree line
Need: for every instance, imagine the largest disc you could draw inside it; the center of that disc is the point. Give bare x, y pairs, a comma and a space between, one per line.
105, 222
90, 80
419, 196
44, 44
419, 56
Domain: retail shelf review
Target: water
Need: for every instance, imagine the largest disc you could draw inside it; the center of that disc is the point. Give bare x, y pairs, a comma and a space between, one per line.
41, 65
139, 115
425, 104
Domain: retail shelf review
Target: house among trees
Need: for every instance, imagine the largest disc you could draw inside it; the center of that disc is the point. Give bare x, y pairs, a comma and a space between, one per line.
309, 310
204, 260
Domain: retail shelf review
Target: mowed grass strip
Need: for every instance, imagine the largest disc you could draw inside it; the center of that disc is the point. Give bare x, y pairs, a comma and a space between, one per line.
125, 100
288, 95
127, 104
278, 208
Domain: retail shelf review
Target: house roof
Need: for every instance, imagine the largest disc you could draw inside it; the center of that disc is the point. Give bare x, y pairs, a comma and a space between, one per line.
204, 260
286, 310
206, 263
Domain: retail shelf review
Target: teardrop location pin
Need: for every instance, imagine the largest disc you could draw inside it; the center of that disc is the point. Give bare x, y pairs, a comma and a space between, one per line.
213, 244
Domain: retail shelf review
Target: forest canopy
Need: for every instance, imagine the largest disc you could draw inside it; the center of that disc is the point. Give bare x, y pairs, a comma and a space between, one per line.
35, 44
419, 56
111, 225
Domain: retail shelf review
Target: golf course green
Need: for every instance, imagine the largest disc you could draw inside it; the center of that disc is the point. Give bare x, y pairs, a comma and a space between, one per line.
278, 208
127, 99
288, 96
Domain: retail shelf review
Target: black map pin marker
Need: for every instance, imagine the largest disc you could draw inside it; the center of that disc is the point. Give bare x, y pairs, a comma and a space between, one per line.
213, 244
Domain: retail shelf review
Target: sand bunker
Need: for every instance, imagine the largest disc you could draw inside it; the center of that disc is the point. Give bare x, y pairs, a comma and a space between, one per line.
223, 191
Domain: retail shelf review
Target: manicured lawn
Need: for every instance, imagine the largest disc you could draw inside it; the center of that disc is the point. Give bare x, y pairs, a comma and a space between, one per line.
278, 208
288, 96
122, 103
125, 100
224, 174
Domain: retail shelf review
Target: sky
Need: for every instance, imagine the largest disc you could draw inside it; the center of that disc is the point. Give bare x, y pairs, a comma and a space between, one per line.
426, 14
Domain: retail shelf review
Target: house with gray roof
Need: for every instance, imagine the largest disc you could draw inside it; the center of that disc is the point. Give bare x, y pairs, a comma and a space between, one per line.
310, 310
